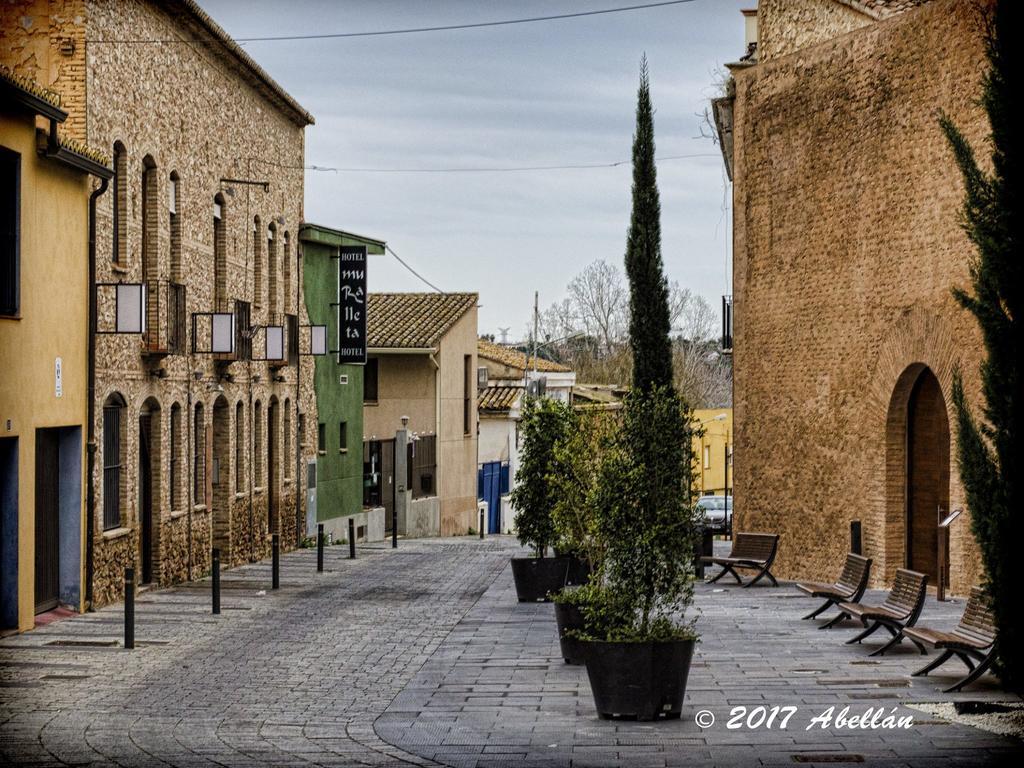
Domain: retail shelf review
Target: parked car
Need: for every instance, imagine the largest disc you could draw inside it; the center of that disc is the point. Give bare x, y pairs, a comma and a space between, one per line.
717, 512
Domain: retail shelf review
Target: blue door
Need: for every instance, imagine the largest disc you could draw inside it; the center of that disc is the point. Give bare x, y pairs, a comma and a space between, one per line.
489, 490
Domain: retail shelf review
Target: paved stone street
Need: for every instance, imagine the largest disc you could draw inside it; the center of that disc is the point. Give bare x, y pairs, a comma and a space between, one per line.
423, 656
295, 677
498, 693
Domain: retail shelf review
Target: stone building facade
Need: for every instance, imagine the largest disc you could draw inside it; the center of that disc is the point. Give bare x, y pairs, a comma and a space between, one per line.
192, 450
847, 243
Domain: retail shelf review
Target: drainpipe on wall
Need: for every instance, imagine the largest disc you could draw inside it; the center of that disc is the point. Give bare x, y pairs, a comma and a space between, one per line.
90, 493
297, 485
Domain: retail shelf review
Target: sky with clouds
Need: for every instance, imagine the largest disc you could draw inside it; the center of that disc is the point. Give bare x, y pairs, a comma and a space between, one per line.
550, 93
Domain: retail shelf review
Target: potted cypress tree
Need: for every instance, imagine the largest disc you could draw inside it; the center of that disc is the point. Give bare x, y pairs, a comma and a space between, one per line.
638, 644
543, 424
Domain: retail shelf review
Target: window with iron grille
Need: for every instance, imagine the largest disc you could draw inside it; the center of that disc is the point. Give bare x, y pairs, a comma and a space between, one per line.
112, 480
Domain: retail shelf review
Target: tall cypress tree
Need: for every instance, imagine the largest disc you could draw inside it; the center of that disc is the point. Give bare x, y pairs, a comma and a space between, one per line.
990, 453
649, 319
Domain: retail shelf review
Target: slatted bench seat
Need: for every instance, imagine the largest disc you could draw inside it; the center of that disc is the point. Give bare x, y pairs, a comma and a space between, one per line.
753, 551
900, 609
850, 587
973, 638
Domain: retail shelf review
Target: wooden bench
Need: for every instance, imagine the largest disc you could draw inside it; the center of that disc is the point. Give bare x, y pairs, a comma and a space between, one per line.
753, 551
850, 587
973, 638
900, 609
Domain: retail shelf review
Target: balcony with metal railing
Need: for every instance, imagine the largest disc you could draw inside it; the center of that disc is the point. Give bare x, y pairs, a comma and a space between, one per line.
165, 319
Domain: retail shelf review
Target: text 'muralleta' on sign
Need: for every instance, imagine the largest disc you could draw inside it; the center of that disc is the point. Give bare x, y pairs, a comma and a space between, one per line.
352, 304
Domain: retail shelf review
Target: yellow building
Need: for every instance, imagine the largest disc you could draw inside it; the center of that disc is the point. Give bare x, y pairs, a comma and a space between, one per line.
44, 328
713, 451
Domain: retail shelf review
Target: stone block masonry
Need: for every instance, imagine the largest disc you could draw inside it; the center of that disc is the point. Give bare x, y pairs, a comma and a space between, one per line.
847, 243
208, 195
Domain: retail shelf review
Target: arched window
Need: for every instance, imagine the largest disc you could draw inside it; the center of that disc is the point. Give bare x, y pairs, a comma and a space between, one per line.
119, 201
286, 272
257, 444
239, 448
257, 262
175, 458
220, 253
198, 456
287, 441
174, 204
272, 268
150, 224
114, 482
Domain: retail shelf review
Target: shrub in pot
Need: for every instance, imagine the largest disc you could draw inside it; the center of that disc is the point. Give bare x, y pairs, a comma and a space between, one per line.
575, 474
543, 424
637, 642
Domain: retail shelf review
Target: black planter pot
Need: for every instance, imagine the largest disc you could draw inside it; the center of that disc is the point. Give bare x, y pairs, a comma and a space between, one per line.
568, 616
645, 681
579, 571
536, 577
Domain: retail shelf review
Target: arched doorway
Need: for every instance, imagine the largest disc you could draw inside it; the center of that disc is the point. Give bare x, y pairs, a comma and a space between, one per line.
927, 489
149, 486
221, 478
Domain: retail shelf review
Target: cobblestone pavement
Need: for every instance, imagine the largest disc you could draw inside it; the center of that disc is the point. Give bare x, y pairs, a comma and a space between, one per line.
293, 677
497, 693
423, 656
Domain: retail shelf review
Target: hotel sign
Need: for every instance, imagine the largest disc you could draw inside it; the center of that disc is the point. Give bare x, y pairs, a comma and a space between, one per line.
352, 304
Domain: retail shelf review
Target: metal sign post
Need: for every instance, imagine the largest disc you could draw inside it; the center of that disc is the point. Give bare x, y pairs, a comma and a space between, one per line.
943, 553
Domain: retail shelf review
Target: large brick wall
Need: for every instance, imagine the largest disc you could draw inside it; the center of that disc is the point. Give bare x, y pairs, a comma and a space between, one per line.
194, 110
846, 245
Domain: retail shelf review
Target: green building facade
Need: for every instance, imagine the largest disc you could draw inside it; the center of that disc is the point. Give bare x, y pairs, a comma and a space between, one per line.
338, 432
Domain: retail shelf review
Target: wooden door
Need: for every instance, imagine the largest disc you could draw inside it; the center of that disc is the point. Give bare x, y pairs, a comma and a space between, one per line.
47, 518
927, 473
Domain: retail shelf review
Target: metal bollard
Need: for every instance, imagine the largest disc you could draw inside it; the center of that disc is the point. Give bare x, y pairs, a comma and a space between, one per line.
275, 562
320, 548
481, 523
129, 607
216, 580
351, 539
394, 527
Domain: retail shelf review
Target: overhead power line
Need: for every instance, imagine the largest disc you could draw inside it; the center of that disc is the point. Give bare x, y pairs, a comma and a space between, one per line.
406, 265
483, 169
418, 30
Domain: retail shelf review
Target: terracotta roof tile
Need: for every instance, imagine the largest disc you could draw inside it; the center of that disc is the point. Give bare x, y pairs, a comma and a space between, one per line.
413, 320
515, 359
499, 398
